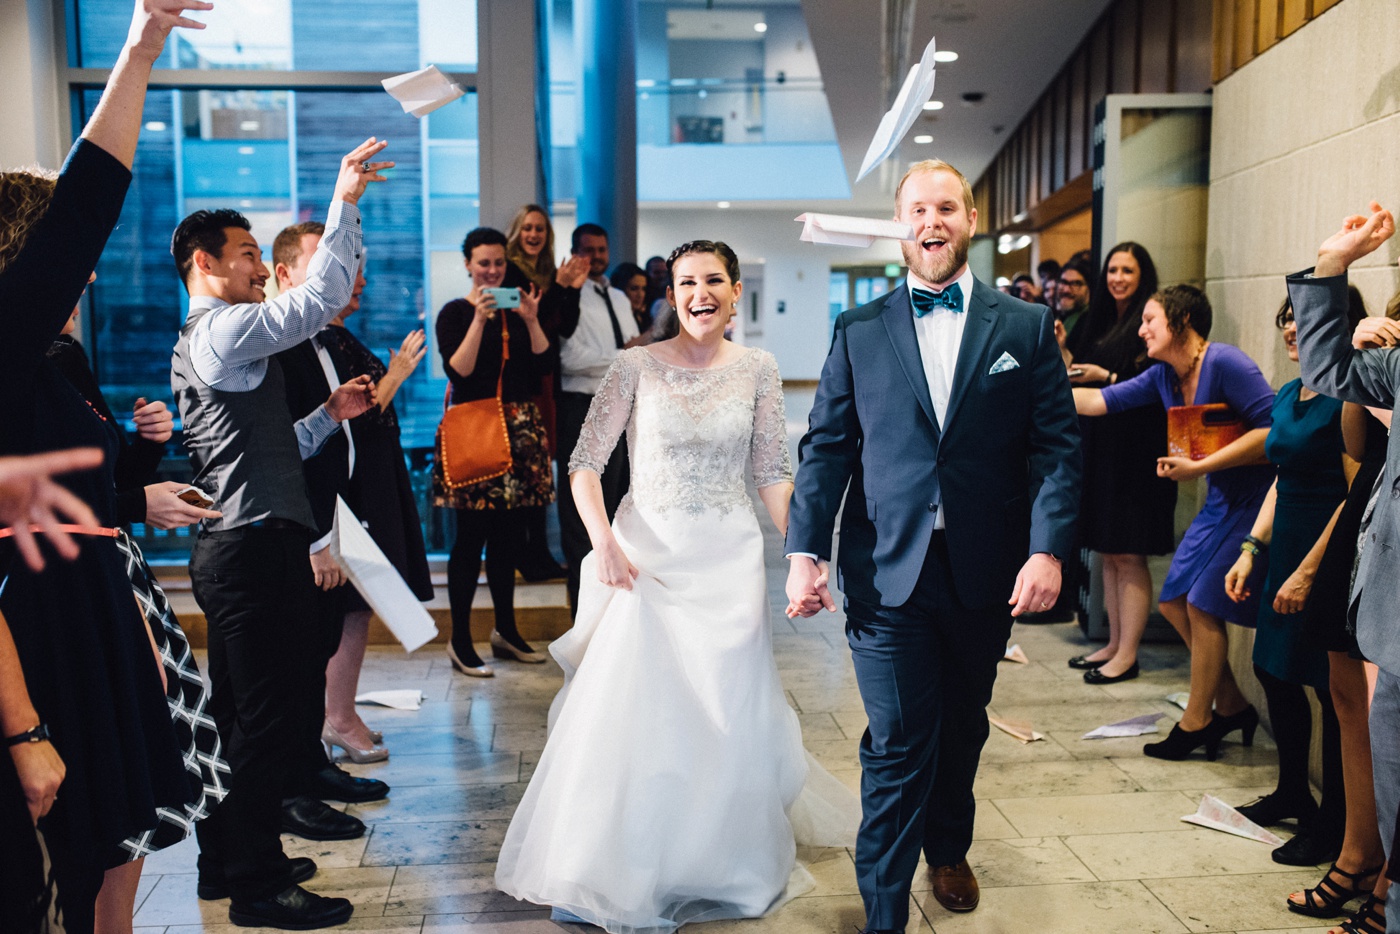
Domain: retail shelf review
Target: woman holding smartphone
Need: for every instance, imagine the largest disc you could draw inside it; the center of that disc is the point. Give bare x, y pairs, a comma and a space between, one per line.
471, 333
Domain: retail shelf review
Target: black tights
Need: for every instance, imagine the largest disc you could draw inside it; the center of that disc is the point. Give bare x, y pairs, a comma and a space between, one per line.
1291, 717
502, 533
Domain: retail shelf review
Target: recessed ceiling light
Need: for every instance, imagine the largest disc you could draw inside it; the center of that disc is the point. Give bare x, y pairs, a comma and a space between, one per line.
249, 126
945, 56
923, 139
760, 27
933, 105
156, 126
646, 82
723, 204
246, 150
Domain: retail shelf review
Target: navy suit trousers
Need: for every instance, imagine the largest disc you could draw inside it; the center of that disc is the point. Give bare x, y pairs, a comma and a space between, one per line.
925, 670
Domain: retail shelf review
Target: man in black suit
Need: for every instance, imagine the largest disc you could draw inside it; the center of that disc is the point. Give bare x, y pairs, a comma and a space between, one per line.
945, 408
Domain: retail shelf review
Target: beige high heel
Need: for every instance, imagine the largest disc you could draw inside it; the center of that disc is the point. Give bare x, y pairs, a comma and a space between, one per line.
481, 671
503, 649
330, 738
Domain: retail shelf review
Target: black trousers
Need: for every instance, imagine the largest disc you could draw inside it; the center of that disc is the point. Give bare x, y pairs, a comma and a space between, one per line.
573, 411
265, 627
925, 671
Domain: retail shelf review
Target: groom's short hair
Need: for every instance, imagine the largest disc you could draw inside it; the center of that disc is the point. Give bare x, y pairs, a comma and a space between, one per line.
933, 165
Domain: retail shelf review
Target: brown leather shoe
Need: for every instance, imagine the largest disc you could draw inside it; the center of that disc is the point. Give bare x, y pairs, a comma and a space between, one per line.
955, 887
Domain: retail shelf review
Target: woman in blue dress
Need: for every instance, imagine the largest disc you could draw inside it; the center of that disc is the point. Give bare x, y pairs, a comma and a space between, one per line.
1194, 371
1294, 525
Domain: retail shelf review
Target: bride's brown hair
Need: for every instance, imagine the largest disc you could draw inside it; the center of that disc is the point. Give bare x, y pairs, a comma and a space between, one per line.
713, 247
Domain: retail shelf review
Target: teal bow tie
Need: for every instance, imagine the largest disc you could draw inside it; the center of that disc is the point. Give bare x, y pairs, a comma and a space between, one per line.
926, 301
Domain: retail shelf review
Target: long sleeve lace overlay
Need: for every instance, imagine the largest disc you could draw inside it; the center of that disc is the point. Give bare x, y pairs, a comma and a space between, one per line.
691, 434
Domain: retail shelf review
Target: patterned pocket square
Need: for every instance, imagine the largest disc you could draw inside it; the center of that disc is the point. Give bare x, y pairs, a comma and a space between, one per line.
1004, 362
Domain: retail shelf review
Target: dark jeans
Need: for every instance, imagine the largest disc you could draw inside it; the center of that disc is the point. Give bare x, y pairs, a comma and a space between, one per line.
925, 671
256, 590
573, 411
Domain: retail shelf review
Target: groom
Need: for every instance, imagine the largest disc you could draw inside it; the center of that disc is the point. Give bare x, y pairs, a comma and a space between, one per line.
945, 408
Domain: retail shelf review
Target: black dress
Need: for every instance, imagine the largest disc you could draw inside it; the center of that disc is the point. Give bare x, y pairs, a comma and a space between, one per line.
381, 493
81, 641
1326, 610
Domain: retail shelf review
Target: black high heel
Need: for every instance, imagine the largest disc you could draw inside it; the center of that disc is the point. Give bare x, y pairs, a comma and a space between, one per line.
1181, 743
1246, 721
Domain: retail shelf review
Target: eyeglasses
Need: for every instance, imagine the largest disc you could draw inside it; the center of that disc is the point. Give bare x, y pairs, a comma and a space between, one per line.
1072, 284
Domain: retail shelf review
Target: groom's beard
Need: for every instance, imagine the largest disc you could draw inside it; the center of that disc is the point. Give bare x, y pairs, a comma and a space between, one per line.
934, 270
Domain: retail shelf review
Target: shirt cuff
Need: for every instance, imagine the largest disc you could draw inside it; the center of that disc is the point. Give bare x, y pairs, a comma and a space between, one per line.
343, 214
319, 426
322, 542
801, 554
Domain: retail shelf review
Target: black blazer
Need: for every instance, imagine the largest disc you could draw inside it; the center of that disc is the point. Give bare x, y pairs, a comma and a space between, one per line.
1006, 466
328, 471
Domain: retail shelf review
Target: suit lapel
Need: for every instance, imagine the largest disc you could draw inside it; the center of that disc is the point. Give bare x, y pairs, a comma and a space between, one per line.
899, 323
977, 334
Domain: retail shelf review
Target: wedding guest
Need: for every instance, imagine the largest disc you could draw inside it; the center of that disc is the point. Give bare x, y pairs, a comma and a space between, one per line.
631, 280
486, 350
1192, 370
1128, 511
1294, 524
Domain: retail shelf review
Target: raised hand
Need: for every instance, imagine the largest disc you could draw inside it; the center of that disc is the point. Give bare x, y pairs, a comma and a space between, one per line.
409, 355
351, 398
484, 303
573, 273
357, 171
152, 21
1360, 235
154, 421
30, 496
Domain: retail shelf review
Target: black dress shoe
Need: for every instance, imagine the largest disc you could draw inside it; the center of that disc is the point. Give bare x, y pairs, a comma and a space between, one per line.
313, 819
1308, 849
212, 890
1096, 675
1275, 808
292, 909
1083, 664
333, 783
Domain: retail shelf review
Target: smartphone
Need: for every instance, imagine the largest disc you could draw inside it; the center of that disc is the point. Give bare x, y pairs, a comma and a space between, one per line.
505, 298
1076, 371
195, 497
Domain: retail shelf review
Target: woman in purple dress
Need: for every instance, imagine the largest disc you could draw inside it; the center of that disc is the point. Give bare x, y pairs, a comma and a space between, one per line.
1193, 371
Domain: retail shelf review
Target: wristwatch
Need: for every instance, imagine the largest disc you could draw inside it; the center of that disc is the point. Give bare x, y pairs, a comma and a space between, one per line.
38, 734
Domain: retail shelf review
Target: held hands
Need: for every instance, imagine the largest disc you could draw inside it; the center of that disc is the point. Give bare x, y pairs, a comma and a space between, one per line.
165, 510
807, 590
410, 354
1373, 333
1180, 469
351, 399
326, 570
30, 496
1037, 585
1238, 576
153, 20
154, 421
573, 273
1359, 236
356, 171
40, 771
614, 569
1293, 595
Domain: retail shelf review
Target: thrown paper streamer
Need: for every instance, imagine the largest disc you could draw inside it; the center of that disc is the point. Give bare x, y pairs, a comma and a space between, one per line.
1179, 698
1217, 815
841, 230
918, 86
404, 699
378, 581
1014, 654
1134, 726
1018, 729
423, 91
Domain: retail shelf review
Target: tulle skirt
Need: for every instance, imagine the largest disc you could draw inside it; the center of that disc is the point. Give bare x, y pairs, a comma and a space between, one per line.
674, 786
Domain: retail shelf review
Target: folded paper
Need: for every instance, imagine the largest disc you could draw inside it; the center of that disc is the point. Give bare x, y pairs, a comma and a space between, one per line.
841, 230
1014, 654
379, 582
404, 699
1134, 726
1018, 729
1179, 698
917, 89
1217, 815
423, 91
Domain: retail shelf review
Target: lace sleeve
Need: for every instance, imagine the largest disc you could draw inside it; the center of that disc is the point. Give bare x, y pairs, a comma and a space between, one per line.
608, 415
772, 463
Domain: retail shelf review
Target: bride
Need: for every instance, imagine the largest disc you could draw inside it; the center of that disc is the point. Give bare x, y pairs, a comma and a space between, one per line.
674, 786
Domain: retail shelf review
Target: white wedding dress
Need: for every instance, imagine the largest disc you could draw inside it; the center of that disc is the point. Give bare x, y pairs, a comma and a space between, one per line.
674, 786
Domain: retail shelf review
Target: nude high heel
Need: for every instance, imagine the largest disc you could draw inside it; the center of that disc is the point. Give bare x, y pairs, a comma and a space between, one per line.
331, 737
477, 671
503, 649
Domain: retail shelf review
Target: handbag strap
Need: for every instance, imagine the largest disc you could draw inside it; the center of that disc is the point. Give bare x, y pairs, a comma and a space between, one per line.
500, 377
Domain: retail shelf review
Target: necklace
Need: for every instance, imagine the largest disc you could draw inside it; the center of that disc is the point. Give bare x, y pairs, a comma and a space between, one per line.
1195, 361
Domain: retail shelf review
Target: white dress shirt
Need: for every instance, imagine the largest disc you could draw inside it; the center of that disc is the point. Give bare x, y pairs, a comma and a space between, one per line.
586, 355
940, 337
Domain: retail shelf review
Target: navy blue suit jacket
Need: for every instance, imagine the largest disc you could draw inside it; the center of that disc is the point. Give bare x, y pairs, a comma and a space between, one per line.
1006, 465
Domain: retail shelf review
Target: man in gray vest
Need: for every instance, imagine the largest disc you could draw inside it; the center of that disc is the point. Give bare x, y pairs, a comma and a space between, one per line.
250, 569
1371, 377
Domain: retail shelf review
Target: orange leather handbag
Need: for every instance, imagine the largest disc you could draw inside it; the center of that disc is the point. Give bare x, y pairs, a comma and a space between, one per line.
473, 443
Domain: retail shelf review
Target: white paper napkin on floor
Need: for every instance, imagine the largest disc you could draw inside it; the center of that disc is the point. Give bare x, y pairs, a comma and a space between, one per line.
402, 699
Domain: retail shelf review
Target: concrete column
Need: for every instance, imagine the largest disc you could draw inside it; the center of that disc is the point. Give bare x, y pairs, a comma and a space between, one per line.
506, 81
605, 34
29, 107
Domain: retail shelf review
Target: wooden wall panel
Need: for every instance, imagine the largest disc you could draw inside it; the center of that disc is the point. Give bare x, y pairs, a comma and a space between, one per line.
1155, 66
1292, 15
1125, 47
1222, 36
1077, 159
1246, 30
1267, 24
1193, 47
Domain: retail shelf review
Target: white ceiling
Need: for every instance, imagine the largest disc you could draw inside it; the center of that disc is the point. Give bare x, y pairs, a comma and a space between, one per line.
1009, 50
